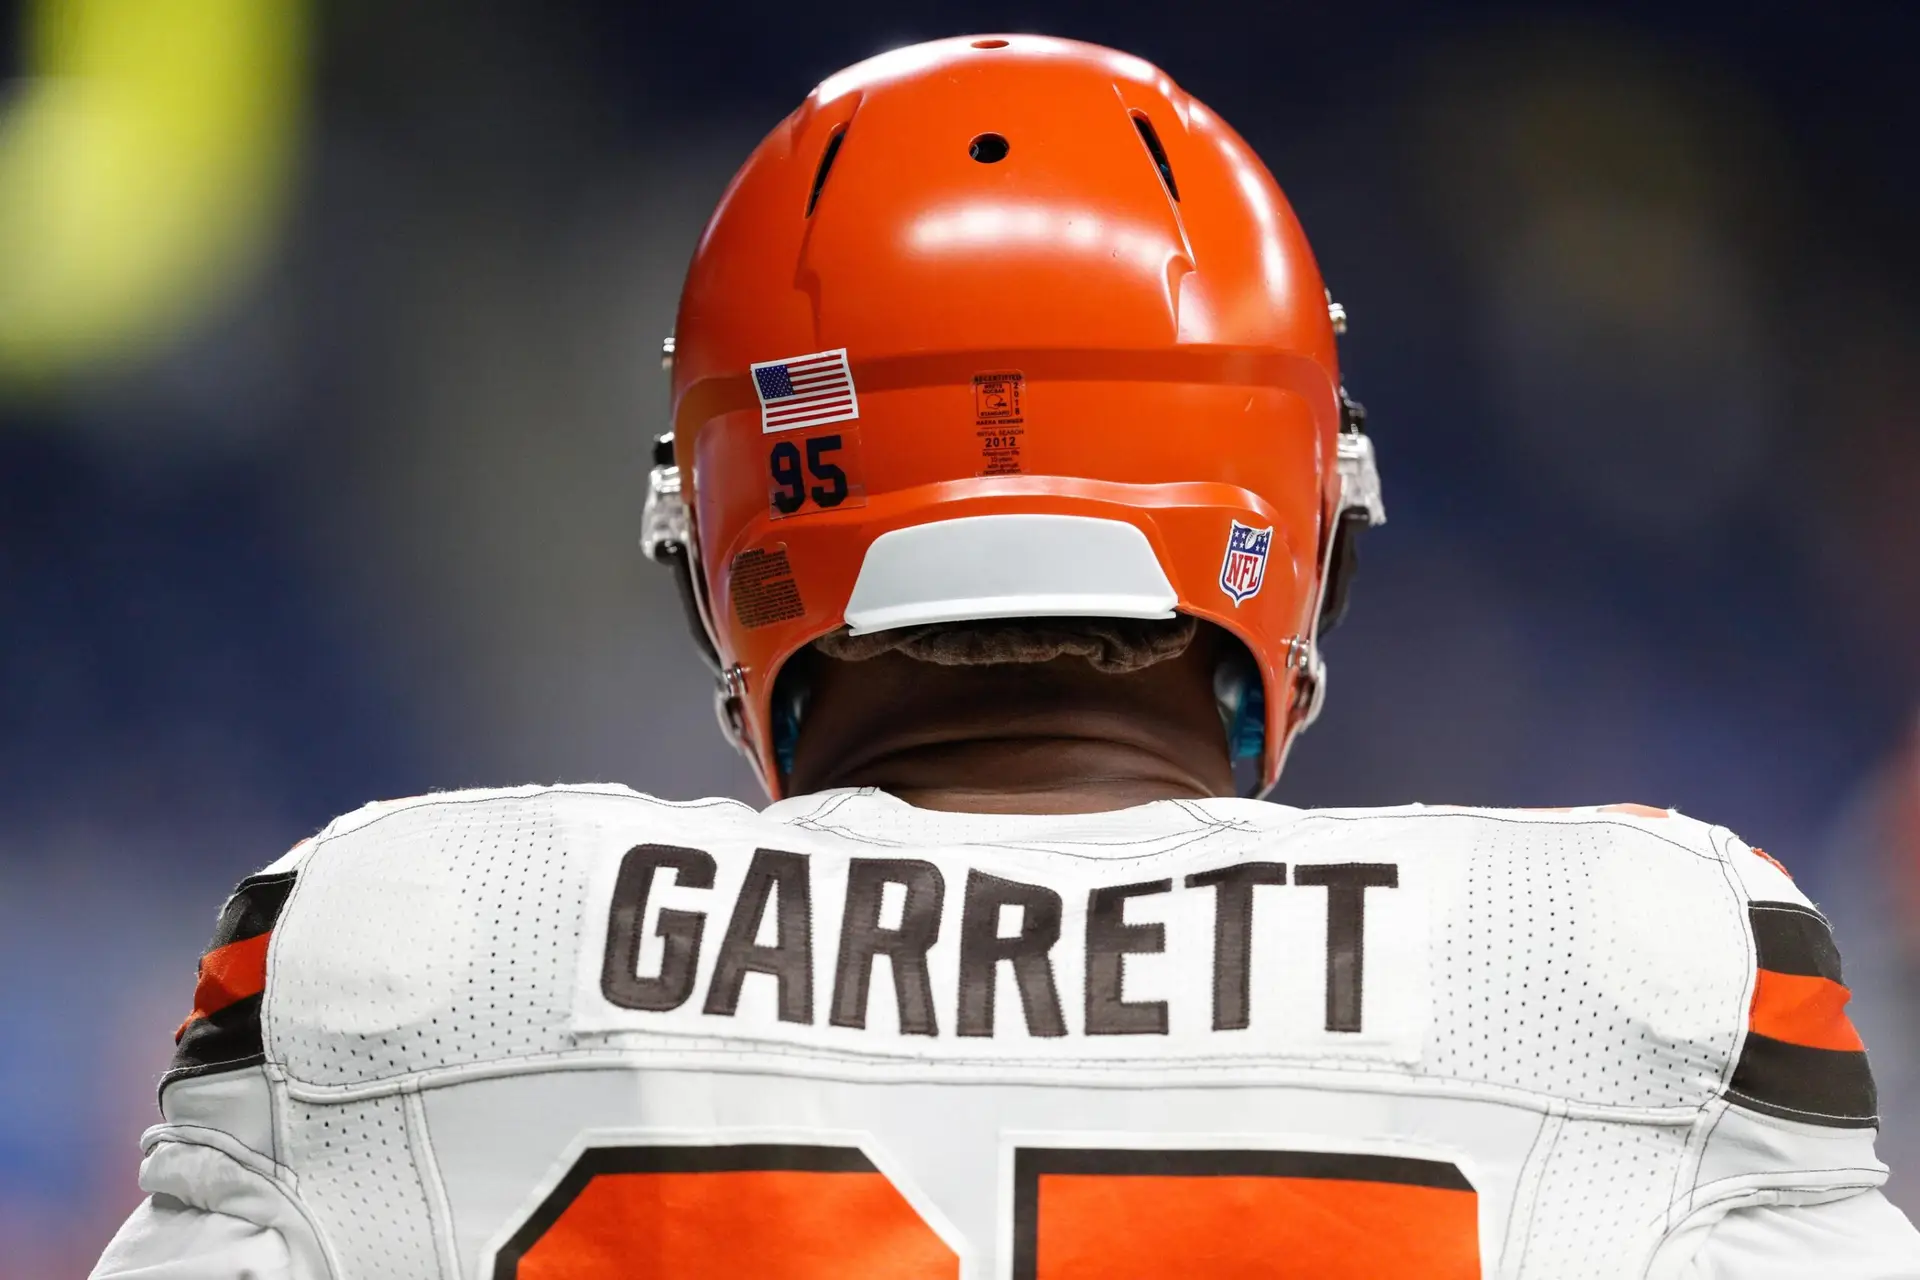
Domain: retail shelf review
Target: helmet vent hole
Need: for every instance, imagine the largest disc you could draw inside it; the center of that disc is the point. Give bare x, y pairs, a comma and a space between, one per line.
1151, 137
989, 148
826, 166
989, 44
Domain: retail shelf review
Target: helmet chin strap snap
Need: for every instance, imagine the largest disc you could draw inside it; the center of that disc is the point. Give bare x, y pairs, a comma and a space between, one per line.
1310, 685
729, 702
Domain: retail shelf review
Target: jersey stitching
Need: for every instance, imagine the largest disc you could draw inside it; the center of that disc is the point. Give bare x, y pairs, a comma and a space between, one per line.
890, 842
1685, 1113
1547, 1119
1737, 902
1789, 909
1049, 1075
1872, 1175
1184, 838
413, 1113
832, 804
276, 1114
1481, 816
816, 822
1546, 1163
1731, 846
878, 842
280, 1178
1798, 1111
175, 1074
1065, 850
1750, 1196
1194, 811
267, 989
1699, 1165
276, 1107
1750, 953
415, 803
214, 1138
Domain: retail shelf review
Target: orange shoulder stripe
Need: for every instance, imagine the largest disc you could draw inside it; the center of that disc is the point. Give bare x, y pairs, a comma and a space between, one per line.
228, 975
1803, 1010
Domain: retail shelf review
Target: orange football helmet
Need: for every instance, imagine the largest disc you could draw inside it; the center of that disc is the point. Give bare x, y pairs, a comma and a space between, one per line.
1007, 326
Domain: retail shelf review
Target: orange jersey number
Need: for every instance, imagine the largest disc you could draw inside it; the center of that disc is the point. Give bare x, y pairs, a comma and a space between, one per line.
791, 1212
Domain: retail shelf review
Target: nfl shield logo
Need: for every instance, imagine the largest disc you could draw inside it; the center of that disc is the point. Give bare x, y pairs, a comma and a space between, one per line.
1245, 567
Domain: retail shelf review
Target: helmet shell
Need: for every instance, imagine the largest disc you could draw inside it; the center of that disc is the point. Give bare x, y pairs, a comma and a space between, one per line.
1062, 287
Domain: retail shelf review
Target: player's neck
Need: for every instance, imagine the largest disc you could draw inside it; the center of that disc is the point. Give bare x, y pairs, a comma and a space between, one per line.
1028, 773
1052, 738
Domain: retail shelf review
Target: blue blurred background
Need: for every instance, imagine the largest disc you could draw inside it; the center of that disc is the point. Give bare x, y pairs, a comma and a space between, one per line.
328, 357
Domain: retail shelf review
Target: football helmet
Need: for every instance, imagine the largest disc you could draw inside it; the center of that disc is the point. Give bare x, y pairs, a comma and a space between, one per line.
1007, 326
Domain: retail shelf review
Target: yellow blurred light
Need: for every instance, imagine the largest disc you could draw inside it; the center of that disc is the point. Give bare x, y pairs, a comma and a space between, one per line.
143, 168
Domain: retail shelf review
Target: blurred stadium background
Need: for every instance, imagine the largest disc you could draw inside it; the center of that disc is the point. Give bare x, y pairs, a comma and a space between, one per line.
328, 355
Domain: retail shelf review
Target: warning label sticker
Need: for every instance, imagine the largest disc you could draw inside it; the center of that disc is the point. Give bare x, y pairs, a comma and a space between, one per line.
999, 415
761, 583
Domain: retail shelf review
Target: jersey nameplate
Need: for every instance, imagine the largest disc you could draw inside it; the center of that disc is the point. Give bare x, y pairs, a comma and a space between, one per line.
947, 956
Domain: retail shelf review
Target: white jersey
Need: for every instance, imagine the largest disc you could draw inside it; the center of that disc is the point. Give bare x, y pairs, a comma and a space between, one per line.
576, 1033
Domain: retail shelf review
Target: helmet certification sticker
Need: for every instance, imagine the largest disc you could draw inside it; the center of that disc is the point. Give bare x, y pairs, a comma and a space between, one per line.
1245, 565
760, 582
999, 416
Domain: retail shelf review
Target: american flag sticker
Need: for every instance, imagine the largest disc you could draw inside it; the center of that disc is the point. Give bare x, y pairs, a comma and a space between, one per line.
805, 391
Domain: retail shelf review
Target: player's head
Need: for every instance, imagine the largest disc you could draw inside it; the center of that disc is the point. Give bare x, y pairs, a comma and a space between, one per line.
1008, 328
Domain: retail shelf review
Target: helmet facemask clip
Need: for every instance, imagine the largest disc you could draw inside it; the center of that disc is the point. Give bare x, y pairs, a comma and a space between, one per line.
666, 538
1361, 507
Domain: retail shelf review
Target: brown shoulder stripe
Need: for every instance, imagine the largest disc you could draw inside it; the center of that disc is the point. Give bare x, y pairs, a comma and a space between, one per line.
1790, 938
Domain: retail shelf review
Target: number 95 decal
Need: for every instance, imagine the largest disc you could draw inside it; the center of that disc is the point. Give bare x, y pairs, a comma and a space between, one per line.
816, 473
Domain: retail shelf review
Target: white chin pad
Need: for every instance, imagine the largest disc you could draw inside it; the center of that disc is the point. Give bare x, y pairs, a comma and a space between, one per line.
1008, 566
